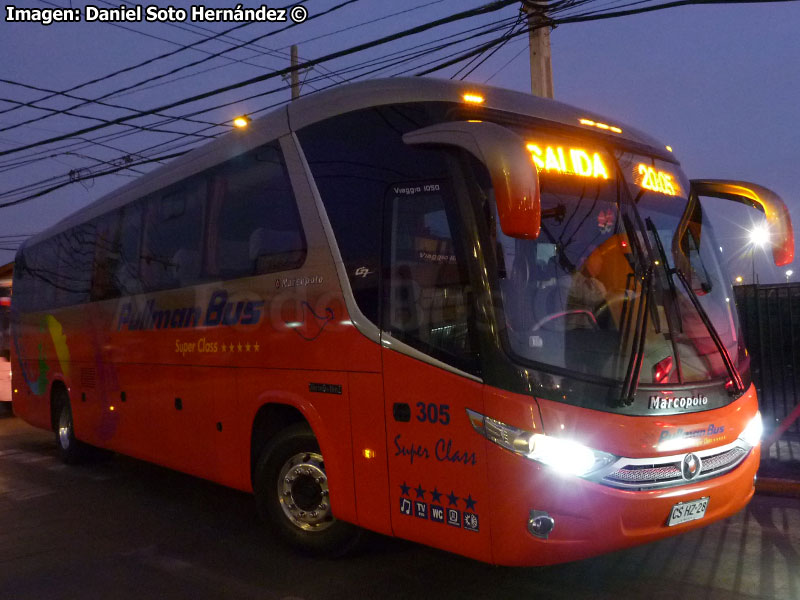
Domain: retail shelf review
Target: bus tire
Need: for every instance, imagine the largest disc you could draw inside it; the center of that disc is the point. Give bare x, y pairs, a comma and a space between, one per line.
70, 449
291, 490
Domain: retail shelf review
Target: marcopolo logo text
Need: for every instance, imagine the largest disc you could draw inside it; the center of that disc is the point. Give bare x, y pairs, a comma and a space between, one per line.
659, 403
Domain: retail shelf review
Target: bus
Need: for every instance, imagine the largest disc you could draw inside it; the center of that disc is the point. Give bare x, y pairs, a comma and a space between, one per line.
483, 321
5, 349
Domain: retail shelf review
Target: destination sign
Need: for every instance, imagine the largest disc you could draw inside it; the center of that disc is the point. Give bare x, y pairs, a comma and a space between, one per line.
566, 160
654, 180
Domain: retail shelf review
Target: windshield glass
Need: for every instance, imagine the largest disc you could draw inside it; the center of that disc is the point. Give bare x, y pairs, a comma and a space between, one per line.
616, 230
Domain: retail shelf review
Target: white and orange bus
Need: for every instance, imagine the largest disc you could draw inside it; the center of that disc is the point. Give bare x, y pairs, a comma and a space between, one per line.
483, 321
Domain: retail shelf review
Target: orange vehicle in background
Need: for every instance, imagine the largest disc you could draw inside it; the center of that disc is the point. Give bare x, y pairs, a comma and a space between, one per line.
484, 321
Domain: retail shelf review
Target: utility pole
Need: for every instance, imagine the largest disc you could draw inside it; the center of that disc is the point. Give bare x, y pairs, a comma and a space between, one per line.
295, 74
539, 41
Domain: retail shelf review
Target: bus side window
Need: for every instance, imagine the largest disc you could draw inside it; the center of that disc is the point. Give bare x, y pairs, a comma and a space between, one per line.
426, 288
106, 257
172, 250
39, 261
254, 225
127, 272
75, 254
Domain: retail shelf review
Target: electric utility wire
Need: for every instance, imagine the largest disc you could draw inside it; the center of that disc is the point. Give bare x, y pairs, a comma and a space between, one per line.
91, 176
95, 175
100, 119
485, 9
337, 32
143, 63
48, 154
32, 104
489, 55
259, 48
363, 23
188, 28
572, 17
351, 79
584, 18
279, 103
173, 141
186, 66
511, 60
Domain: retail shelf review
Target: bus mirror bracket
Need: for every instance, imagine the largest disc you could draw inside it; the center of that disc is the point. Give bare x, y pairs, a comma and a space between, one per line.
765, 200
513, 174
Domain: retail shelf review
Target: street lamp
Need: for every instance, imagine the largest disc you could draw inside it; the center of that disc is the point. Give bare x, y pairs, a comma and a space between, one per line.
739, 279
788, 274
759, 237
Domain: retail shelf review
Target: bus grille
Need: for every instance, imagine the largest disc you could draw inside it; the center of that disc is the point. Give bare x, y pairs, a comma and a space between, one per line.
640, 474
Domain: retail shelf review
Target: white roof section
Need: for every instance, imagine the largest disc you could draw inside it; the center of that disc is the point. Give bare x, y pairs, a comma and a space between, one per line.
346, 98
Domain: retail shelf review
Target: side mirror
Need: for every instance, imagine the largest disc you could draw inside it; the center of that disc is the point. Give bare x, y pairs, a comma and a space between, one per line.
765, 200
513, 174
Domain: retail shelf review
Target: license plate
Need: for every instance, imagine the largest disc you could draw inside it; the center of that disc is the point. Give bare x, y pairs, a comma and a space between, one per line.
684, 512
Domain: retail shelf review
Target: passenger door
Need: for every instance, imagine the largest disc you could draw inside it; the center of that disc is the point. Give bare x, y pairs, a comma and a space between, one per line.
437, 476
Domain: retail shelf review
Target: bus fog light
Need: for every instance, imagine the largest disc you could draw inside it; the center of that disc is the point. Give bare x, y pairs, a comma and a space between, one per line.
752, 433
540, 524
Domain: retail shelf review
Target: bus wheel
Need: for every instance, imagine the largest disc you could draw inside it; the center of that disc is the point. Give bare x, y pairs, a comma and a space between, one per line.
69, 448
291, 489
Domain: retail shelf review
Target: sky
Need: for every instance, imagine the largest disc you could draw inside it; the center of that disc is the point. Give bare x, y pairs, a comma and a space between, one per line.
720, 84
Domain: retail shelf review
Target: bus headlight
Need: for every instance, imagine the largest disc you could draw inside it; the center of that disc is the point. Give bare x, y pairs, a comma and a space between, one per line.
752, 433
565, 456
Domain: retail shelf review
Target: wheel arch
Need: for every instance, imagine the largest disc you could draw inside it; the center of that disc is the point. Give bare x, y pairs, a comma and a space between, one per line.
275, 415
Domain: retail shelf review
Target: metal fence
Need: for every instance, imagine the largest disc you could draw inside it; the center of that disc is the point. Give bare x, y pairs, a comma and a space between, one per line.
770, 316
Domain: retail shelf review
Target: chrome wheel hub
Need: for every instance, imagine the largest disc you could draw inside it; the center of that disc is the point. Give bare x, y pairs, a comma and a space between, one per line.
64, 427
303, 492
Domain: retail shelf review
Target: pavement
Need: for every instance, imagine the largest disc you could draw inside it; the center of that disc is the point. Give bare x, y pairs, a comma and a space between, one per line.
121, 529
779, 473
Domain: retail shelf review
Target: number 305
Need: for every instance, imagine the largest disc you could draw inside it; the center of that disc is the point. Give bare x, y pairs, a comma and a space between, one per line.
433, 413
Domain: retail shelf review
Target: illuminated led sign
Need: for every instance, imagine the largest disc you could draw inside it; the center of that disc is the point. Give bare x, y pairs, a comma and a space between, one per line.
568, 161
654, 180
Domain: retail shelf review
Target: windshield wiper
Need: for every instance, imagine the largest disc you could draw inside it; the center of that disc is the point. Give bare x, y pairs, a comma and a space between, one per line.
631, 381
641, 266
736, 378
674, 297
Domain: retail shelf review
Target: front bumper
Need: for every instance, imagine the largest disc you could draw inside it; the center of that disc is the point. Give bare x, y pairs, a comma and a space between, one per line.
592, 518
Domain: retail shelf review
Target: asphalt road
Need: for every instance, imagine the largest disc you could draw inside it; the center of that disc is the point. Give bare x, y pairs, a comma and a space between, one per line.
120, 528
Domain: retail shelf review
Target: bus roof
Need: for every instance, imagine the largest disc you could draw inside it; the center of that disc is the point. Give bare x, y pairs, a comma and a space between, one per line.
346, 98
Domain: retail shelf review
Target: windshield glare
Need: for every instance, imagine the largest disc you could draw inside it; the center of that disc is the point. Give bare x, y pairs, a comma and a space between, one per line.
572, 296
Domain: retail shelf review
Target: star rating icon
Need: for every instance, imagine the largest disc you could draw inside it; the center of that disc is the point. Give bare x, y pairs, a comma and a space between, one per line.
452, 498
436, 495
420, 492
404, 489
470, 502
239, 347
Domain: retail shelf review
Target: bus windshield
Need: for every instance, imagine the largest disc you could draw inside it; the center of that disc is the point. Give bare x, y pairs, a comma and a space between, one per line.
621, 248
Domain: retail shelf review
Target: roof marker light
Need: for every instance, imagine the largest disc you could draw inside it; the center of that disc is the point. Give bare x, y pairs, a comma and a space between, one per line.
241, 122
603, 126
473, 98
669, 148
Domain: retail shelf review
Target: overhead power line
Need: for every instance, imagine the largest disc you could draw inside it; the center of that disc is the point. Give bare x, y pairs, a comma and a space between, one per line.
181, 68
485, 9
